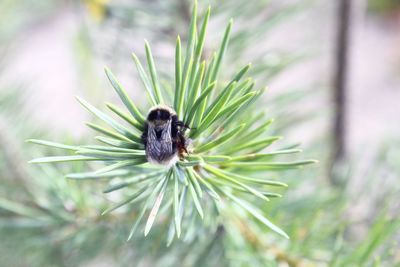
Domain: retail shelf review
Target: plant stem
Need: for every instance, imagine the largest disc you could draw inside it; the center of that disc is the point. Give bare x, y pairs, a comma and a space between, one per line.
340, 81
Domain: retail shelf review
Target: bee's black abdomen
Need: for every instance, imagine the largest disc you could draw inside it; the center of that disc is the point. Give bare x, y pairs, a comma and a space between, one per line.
158, 134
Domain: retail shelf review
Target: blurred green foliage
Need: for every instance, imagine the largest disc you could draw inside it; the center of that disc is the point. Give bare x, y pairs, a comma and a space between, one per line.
384, 6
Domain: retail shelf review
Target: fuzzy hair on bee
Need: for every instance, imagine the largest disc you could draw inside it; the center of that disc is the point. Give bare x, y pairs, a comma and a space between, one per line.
164, 136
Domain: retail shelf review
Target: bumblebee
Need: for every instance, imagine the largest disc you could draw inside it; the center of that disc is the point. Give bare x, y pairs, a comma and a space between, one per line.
164, 136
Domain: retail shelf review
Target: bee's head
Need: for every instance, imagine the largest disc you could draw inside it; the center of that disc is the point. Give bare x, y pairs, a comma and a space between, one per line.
160, 116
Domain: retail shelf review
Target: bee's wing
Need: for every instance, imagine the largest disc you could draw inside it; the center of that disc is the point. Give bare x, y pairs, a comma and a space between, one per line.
160, 147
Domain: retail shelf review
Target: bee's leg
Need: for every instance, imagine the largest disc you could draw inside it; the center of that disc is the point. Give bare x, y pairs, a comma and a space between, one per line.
183, 125
182, 142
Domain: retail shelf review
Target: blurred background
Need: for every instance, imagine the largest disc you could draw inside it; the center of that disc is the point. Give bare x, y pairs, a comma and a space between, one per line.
333, 73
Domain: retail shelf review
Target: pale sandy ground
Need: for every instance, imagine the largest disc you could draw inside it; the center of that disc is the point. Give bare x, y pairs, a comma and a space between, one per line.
375, 83
43, 59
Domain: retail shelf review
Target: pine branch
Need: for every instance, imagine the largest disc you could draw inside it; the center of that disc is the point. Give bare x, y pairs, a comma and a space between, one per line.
214, 158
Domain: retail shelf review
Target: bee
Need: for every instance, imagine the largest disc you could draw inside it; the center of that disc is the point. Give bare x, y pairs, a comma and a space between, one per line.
164, 136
